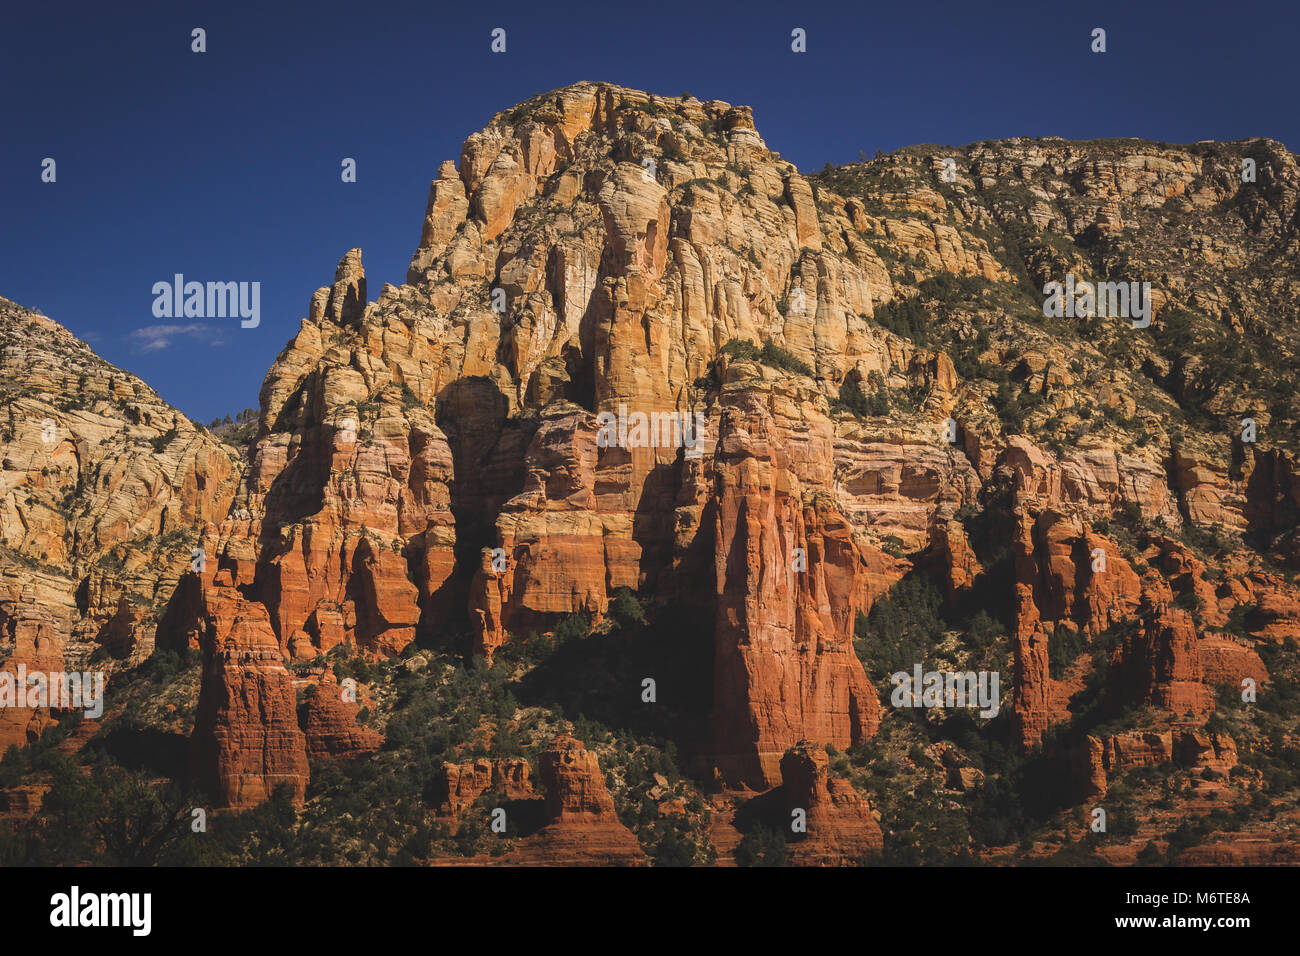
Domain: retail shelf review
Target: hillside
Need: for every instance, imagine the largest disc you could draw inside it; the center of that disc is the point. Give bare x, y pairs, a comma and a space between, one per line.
105, 491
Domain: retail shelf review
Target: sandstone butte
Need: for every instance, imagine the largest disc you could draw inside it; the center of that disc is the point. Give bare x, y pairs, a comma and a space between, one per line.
597, 247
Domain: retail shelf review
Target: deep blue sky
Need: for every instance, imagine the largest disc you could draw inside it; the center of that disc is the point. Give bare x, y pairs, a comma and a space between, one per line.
225, 165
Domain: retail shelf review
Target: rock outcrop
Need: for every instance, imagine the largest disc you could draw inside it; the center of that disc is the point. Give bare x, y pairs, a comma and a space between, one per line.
342, 528
246, 739
460, 784
581, 828
790, 581
840, 827
329, 723
1102, 760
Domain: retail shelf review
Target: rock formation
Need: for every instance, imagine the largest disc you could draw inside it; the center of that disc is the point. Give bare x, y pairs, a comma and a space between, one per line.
246, 739
840, 827
790, 582
581, 826
329, 722
859, 382
460, 784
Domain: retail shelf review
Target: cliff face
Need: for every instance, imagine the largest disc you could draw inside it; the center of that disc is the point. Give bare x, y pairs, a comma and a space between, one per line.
861, 382
593, 251
592, 254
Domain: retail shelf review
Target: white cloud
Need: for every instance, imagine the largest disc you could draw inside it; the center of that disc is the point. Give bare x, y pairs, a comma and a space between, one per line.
153, 338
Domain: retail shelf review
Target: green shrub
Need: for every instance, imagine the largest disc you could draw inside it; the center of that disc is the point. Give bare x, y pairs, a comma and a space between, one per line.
1063, 647
905, 317
573, 627
160, 442
625, 609
854, 400
742, 349
903, 628
762, 846
771, 355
